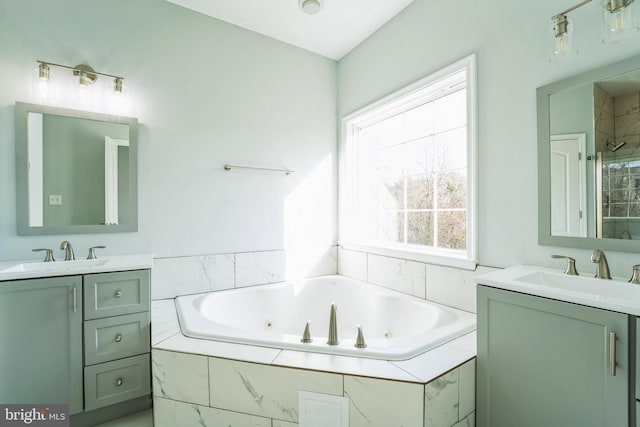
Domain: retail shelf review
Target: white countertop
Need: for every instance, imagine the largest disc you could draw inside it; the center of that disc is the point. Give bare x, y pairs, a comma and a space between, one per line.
615, 295
12, 270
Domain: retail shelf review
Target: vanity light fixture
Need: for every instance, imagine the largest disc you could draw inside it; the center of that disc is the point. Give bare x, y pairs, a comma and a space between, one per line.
311, 7
84, 74
618, 20
563, 34
618, 23
44, 72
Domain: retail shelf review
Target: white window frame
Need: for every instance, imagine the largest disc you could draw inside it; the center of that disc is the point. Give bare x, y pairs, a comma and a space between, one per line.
402, 99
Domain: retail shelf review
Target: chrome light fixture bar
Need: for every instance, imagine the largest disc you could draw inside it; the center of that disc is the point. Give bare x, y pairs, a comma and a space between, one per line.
86, 75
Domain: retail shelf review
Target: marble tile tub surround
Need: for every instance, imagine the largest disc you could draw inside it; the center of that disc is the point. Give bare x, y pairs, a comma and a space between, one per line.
445, 285
196, 274
252, 394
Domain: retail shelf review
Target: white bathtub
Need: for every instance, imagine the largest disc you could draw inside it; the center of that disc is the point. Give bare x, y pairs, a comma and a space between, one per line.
395, 326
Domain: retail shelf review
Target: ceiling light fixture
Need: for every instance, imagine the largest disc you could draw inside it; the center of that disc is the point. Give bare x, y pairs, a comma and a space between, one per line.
618, 21
311, 7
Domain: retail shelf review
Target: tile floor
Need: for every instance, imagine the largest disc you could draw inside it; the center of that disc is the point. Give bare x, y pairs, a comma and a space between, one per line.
140, 419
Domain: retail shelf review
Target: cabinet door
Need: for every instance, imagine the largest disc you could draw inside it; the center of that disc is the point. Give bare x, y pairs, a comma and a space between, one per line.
547, 363
41, 341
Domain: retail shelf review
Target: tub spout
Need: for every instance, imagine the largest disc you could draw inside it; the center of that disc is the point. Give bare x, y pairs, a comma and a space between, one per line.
360, 339
306, 335
333, 327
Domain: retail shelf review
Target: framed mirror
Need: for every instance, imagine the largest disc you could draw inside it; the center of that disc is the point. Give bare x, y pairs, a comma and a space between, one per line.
589, 159
76, 171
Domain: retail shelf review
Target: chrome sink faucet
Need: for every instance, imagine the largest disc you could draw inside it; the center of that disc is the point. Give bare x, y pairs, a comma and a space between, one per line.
602, 267
68, 254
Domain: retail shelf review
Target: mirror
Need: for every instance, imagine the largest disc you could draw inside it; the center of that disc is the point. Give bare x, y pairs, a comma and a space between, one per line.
589, 159
76, 171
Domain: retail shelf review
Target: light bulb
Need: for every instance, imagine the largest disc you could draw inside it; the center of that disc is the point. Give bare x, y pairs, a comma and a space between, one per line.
41, 85
118, 99
618, 20
562, 32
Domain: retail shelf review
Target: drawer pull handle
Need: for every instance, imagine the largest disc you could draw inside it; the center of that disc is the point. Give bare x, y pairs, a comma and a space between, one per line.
118, 294
119, 382
118, 338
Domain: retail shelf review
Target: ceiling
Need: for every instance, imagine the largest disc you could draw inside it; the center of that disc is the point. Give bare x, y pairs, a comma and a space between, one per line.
339, 27
622, 84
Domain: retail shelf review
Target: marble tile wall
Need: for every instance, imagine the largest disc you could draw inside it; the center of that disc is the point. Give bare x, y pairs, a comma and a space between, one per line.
191, 275
603, 110
252, 394
445, 285
627, 119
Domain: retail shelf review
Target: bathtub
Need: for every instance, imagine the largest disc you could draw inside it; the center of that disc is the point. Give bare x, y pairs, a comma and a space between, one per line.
395, 326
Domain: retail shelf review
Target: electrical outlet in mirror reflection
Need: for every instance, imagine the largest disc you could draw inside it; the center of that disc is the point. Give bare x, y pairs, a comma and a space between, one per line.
55, 199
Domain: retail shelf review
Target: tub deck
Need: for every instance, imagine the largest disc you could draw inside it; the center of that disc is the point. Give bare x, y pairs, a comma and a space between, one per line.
421, 369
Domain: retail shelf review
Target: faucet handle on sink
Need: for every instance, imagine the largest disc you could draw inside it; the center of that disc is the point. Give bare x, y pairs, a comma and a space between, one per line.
635, 278
92, 251
571, 265
49, 256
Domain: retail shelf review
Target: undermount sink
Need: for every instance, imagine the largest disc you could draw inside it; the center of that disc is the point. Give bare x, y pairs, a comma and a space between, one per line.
54, 266
558, 279
616, 294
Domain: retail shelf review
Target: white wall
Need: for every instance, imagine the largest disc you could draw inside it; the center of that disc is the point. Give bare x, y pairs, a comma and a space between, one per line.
206, 93
512, 41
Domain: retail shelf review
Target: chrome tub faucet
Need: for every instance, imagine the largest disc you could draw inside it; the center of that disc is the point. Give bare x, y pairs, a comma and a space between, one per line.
333, 326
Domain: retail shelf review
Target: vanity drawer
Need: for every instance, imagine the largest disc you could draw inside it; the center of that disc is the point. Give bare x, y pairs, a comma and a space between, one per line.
114, 294
116, 337
117, 381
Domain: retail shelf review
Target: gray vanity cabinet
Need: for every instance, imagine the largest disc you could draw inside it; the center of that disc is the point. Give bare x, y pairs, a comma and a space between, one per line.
543, 362
41, 341
81, 340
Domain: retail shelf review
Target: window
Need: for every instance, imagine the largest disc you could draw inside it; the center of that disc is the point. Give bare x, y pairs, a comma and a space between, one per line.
408, 168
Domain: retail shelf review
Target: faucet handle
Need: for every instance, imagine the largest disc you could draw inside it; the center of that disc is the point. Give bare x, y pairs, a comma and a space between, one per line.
92, 251
48, 257
635, 278
571, 265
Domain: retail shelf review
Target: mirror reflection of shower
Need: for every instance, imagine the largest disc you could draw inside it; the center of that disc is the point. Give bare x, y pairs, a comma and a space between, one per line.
613, 147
